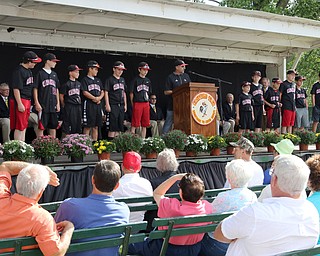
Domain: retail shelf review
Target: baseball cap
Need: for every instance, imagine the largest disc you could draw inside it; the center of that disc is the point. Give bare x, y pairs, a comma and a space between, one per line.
256, 73
276, 80
243, 143
31, 56
132, 161
93, 64
297, 78
74, 68
180, 63
284, 147
50, 56
144, 65
245, 83
119, 64
291, 71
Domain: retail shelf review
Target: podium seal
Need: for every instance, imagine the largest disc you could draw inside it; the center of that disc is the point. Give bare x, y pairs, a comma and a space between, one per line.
203, 108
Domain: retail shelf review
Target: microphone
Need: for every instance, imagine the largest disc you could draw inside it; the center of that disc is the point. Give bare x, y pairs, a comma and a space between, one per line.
191, 72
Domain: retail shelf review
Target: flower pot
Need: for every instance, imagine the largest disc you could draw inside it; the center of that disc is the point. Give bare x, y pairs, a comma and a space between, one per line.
191, 153
104, 156
177, 152
270, 149
76, 159
303, 147
317, 146
215, 152
152, 155
230, 150
47, 160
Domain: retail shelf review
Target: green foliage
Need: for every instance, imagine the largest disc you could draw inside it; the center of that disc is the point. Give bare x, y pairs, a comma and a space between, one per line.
317, 138
152, 145
101, 146
231, 137
16, 150
271, 137
196, 143
306, 137
128, 142
77, 145
175, 139
294, 138
216, 142
47, 146
257, 138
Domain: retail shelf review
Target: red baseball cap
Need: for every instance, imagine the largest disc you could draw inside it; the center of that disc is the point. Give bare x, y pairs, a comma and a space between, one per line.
132, 161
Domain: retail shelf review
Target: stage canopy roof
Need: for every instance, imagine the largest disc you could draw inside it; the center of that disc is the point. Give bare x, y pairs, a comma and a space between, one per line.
157, 27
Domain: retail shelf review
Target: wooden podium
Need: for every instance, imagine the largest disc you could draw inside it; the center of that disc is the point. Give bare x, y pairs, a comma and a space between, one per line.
195, 108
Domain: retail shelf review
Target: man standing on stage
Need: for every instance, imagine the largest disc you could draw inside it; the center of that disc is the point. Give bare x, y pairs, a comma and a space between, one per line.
175, 79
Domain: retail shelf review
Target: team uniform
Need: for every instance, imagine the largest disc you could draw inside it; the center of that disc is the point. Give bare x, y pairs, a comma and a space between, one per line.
116, 89
72, 112
272, 96
316, 109
141, 89
91, 111
302, 111
48, 85
245, 111
22, 79
288, 103
257, 101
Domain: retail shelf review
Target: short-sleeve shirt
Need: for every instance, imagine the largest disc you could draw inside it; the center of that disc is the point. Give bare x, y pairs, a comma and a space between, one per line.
93, 85
173, 81
47, 85
116, 89
288, 95
71, 91
22, 79
22, 216
257, 94
245, 102
301, 95
316, 91
172, 207
272, 96
141, 88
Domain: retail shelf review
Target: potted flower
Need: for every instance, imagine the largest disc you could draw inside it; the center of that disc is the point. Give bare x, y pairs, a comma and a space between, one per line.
103, 148
317, 141
294, 138
176, 140
307, 138
231, 137
17, 150
257, 138
271, 137
196, 143
126, 142
46, 148
152, 146
215, 143
77, 146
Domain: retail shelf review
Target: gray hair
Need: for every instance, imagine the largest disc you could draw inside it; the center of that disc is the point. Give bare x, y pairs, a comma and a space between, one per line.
292, 173
167, 161
238, 173
32, 180
3, 85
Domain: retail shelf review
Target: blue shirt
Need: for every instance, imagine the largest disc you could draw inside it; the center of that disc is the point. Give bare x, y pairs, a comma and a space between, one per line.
315, 199
94, 211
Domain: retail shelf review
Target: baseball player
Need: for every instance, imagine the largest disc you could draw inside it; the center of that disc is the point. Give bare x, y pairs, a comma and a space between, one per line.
256, 90
244, 109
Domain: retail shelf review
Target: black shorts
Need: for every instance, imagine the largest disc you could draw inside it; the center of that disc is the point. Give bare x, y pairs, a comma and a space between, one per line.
116, 118
316, 114
246, 120
72, 115
258, 114
92, 114
49, 120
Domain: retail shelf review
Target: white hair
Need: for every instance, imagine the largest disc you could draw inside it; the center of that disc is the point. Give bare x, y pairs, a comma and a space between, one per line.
32, 180
238, 173
167, 161
292, 173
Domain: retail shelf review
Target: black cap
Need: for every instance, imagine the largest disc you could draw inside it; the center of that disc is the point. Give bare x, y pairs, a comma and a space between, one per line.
74, 68
245, 83
31, 56
256, 73
276, 80
180, 63
297, 78
93, 64
119, 65
144, 65
291, 71
50, 56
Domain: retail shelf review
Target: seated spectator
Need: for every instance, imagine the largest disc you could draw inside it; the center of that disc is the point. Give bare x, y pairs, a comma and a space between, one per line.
282, 223
20, 213
156, 117
132, 185
4, 112
98, 209
167, 164
231, 200
191, 191
229, 113
314, 181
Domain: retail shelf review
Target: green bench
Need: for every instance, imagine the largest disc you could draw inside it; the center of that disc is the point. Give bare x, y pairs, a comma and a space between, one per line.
129, 232
306, 252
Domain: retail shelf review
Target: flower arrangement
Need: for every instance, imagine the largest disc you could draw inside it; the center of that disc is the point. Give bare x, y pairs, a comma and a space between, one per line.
17, 150
47, 146
196, 143
294, 138
175, 139
257, 138
216, 142
77, 145
271, 137
231, 137
128, 142
317, 138
101, 146
152, 145
307, 137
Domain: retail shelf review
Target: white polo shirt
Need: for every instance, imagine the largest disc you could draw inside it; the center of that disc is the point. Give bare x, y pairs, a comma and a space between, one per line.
278, 225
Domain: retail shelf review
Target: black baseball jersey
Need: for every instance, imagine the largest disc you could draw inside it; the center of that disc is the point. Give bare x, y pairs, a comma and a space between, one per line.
47, 85
116, 89
316, 91
173, 81
22, 79
272, 96
257, 94
141, 88
71, 91
288, 95
245, 102
93, 85
301, 95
